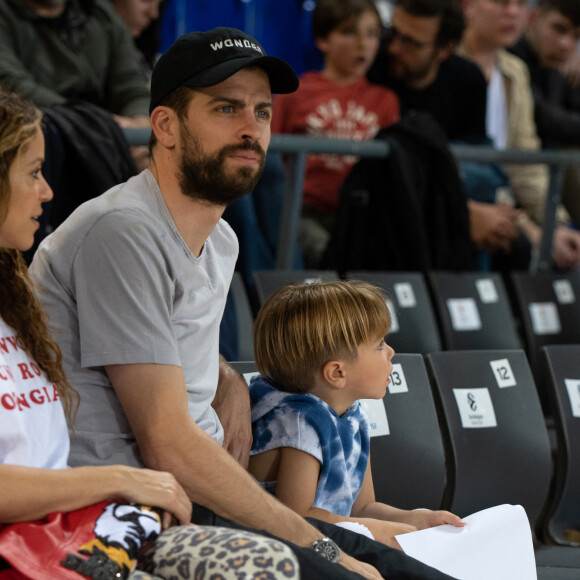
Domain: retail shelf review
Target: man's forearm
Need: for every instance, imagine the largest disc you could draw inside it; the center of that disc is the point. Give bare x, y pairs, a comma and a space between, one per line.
213, 479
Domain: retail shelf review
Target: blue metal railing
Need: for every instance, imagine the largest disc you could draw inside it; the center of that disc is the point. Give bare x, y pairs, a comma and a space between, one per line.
297, 147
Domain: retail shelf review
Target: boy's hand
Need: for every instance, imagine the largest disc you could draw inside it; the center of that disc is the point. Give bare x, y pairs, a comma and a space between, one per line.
385, 531
422, 519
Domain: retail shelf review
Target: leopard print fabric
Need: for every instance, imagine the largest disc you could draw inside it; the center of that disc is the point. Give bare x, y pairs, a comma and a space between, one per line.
215, 553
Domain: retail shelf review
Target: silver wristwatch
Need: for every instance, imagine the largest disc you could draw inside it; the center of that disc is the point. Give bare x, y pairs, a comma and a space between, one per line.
327, 549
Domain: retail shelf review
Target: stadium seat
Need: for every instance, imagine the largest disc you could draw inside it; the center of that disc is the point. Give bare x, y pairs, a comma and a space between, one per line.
414, 326
549, 307
474, 311
497, 443
268, 281
560, 364
244, 318
408, 462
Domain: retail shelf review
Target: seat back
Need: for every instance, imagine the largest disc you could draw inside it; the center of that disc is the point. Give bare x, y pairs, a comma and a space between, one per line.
268, 281
244, 367
474, 310
408, 463
244, 318
560, 364
414, 327
497, 443
549, 306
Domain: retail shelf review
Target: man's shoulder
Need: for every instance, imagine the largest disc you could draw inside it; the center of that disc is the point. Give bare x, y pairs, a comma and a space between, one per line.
460, 71
115, 211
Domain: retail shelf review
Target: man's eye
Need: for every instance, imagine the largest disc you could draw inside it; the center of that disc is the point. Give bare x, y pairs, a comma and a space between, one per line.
263, 114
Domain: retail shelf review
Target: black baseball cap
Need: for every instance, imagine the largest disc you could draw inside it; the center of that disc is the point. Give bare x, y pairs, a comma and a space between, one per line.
204, 59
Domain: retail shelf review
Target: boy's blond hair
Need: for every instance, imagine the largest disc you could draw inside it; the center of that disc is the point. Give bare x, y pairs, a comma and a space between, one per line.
303, 326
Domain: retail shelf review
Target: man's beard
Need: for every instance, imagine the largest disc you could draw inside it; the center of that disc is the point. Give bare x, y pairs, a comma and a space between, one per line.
204, 177
406, 76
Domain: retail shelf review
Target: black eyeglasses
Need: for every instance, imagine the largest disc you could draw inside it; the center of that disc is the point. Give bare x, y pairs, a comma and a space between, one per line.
408, 43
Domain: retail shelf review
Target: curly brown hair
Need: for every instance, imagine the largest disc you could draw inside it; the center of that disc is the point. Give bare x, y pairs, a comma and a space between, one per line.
19, 307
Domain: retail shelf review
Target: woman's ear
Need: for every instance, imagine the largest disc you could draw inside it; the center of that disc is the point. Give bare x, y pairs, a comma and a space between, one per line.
334, 374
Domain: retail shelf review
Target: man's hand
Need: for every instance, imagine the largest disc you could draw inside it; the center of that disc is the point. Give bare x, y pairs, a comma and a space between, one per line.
232, 405
566, 248
141, 157
571, 70
362, 568
139, 153
492, 226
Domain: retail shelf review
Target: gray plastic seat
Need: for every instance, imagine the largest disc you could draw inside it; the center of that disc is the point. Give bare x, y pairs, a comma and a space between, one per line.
408, 464
268, 281
244, 318
562, 370
414, 328
474, 311
497, 443
549, 307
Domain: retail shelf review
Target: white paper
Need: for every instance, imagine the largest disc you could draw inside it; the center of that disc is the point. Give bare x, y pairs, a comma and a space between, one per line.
564, 291
487, 290
545, 319
377, 414
475, 408
398, 380
464, 314
502, 371
495, 544
573, 387
405, 295
394, 319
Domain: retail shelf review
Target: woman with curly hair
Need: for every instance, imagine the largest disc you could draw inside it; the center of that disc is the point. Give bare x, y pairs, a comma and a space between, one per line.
59, 522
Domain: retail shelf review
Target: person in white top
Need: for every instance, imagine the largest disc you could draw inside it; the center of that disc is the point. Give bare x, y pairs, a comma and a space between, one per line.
33, 433
36, 400
492, 26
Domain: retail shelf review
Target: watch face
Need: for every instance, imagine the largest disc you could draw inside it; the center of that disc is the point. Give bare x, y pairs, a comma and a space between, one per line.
327, 549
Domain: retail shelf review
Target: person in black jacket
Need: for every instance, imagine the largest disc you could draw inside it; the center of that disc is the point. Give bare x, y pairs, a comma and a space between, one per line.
417, 61
551, 39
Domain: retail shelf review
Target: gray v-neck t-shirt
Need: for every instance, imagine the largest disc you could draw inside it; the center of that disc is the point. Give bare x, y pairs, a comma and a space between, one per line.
121, 287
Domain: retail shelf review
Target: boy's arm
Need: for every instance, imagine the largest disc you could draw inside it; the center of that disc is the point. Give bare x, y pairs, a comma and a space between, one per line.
365, 506
296, 487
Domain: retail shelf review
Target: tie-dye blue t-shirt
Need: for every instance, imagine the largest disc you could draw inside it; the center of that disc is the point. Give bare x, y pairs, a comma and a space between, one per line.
305, 422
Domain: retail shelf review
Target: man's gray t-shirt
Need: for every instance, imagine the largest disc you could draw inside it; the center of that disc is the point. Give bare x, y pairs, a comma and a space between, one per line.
122, 287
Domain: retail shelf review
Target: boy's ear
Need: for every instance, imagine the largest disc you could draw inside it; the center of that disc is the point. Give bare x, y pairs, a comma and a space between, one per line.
334, 374
321, 44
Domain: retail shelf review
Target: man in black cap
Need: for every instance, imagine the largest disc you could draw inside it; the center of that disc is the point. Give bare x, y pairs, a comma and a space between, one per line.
135, 284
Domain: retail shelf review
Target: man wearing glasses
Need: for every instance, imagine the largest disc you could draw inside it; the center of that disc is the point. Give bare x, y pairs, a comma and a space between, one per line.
416, 60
